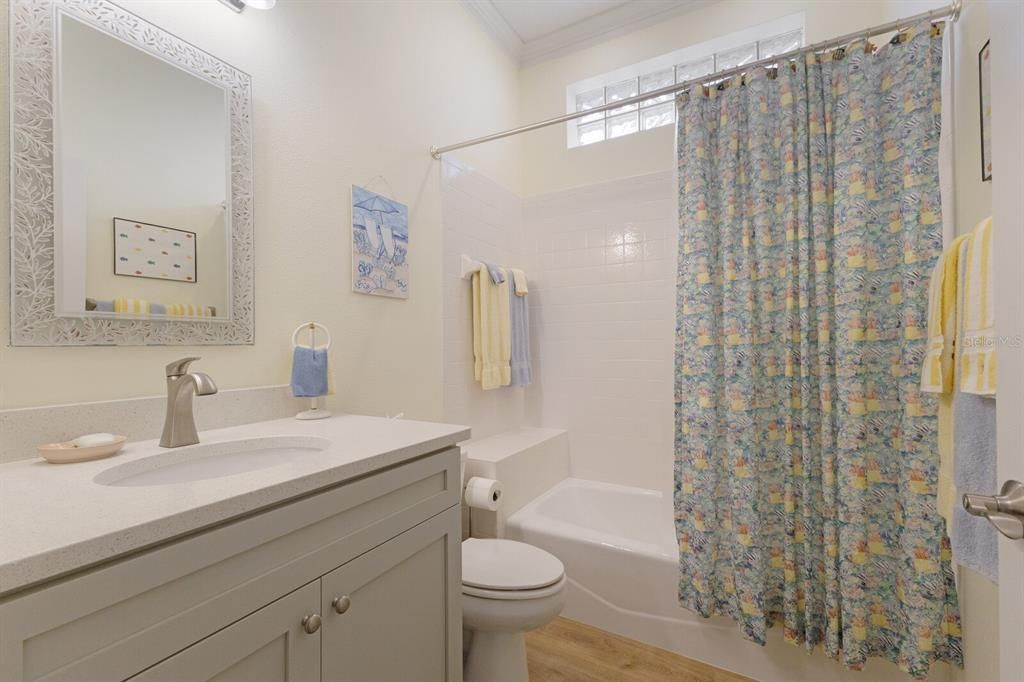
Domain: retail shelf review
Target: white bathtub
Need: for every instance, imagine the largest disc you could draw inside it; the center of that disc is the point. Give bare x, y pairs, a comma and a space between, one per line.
611, 538
619, 550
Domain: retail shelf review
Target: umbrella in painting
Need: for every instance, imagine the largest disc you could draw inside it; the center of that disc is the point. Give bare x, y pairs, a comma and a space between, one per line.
381, 238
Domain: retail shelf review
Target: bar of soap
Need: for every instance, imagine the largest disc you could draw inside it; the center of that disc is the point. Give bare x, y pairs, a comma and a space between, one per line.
89, 440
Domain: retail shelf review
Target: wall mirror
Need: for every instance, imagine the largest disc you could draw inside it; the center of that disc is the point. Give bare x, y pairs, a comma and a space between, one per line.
132, 183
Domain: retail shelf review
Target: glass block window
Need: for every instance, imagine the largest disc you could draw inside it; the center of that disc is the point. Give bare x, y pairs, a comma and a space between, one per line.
695, 69
620, 91
737, 56
660, 115
781, 44
624, 124
662, 72
657, 81
589, 100
591, 132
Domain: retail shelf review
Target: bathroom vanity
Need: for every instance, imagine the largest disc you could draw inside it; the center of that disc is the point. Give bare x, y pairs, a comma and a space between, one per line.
279, 550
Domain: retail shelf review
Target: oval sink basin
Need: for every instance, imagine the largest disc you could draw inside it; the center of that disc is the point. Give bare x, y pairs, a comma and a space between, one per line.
212, 460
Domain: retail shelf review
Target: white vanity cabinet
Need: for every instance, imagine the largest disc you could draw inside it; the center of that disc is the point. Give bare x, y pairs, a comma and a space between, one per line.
270, 644
386, 613
356, 582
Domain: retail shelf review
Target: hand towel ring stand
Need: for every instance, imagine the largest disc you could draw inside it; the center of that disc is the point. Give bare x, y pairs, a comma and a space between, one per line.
316, 409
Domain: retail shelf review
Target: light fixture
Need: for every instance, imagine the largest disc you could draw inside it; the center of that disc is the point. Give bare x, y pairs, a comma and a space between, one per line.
239, 5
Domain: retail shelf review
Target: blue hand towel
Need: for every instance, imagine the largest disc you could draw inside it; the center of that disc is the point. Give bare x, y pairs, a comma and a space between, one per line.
104, 306
309, 372
497, 276
157, 309
975, 541
519, 314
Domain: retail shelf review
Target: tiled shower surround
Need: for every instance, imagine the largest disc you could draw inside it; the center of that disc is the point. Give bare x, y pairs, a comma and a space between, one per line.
601, 262
482, 219
603, 321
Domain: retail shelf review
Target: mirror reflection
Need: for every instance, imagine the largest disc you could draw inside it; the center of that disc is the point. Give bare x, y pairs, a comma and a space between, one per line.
142, 183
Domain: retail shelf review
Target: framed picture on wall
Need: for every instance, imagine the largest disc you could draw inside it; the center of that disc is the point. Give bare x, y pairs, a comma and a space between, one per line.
154, 251
985, 99
380, 245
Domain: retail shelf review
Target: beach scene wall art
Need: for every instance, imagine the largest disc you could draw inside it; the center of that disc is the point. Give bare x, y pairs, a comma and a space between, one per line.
380, 245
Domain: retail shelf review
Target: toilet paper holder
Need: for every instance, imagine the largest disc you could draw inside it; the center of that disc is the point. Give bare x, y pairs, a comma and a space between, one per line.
482, 493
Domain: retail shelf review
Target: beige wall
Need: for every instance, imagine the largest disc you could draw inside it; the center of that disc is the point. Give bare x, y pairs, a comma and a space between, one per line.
344, 92
973, 197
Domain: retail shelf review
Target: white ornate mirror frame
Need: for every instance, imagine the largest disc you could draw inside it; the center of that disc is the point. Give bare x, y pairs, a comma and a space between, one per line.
34, 321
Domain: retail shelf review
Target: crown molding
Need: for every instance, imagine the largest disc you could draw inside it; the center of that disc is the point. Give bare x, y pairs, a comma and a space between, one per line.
488, 15
616, 21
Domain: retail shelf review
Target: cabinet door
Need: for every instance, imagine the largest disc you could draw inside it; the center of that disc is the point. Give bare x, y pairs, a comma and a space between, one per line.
400, 609
270, 645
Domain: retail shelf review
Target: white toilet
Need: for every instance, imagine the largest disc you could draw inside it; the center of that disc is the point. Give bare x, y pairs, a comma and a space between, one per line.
508, 587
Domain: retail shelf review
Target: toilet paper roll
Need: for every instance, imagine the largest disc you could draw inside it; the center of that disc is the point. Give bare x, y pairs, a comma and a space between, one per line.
483, 493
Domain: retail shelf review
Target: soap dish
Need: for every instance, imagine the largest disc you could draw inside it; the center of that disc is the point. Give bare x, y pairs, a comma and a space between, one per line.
66, 452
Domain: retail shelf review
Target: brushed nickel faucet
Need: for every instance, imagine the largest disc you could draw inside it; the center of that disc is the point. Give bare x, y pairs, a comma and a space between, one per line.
180, 422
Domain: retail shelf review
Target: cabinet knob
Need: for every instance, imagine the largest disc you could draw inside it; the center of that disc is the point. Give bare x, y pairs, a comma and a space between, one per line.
341, 603
311, 623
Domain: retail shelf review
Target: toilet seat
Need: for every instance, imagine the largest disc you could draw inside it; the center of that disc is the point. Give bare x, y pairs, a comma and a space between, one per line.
507, 569
515, 595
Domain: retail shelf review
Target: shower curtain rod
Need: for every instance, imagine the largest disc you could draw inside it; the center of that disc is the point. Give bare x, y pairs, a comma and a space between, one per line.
951, 11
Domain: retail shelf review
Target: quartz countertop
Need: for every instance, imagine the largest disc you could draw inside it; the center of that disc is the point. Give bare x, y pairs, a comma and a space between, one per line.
55, 519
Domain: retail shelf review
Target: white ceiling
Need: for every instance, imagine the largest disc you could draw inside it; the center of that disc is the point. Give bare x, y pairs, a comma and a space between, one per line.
532, 19
533, 30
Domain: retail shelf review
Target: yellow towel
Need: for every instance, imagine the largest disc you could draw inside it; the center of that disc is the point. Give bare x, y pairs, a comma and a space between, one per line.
133, 306
519, 279
937, 371
492, 334
976, 350
188, 310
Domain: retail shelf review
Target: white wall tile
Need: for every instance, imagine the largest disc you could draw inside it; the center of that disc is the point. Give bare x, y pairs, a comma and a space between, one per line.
601, 261
604, 324
485, 221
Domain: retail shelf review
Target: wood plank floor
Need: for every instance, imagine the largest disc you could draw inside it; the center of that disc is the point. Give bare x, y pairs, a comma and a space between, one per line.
565, 650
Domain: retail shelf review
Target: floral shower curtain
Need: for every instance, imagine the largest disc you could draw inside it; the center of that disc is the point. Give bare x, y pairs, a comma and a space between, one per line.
806, 457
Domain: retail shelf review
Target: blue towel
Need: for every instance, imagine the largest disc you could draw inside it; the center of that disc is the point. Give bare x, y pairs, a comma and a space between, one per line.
497, 276
975, 541
157, 309
104, 306
519, 312
309, 372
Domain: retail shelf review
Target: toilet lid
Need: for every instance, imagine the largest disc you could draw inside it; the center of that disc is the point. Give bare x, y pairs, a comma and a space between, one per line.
508, 565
